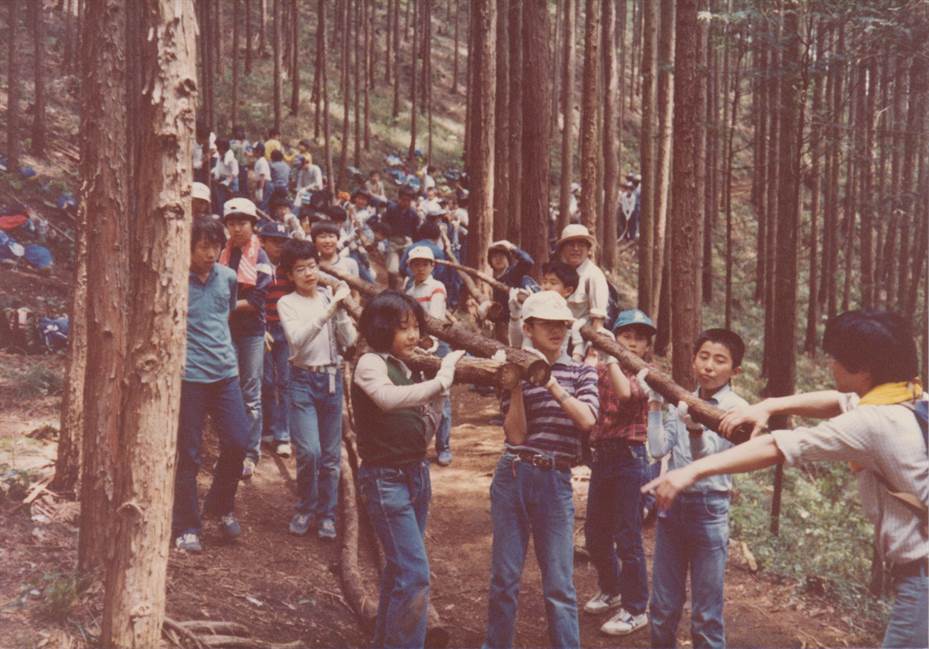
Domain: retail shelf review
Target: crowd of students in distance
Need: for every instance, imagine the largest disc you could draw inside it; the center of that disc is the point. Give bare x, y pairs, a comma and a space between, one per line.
265, 361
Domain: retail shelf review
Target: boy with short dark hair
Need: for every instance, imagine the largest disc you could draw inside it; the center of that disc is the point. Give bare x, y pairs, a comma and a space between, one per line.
692, 537
210, 386
511, 265
563, 279
325, 236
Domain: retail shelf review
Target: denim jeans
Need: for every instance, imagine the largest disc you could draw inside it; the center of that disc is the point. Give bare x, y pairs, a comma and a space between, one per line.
275, 386
397, 501
908, 623
316, 430
652, 471
614, 524
527, 500
443, 434
692, 536
222, 400
250, 352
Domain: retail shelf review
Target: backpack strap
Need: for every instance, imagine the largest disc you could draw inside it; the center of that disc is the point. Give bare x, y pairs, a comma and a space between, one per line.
920, 410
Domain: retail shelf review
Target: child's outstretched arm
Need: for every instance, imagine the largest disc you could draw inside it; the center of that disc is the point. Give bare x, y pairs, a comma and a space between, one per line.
822, 404
371, 376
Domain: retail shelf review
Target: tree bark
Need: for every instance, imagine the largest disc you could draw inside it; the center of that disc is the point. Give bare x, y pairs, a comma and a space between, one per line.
411, 155
590, 96
355, 23
395, 112
455, 60
37, 146
368, 71
295, 58
647, 297
235, 65
536, 133
665, 103
263, 29
134, 599
104, 195
327, 149
916, 111
567, 112
248, 37
610, 137
13, 90
730, 154
816, 126
515, 121
278, 63
502, 187
345, 81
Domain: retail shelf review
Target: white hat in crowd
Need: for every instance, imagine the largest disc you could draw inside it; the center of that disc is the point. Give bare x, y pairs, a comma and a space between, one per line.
576, 231
201, 191
240, 207
421, 252
547, 305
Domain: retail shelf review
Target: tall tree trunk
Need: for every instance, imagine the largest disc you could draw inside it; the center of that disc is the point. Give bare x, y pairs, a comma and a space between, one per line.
455, 62
235, 65
369, 10
295, 58
278, 63
774, 162
136, 576
502, 187
647, 298
104, 195
536, 134
517, 88
686, 225
850, 191
553, 127
12, 102
865, 139
610, 137
590, 96
248, 37
707, 148
37, 146
411, 153
395, 112
830, 254
567, 111
427, 70
916, 111
345, 83
760, 115
665, 103
318, 73
263, 29
730, 154
327, 149
356, 81
481, 156
816, 126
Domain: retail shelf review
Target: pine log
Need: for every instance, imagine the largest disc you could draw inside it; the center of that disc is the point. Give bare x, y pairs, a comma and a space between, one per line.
470, 286
700, 410
532, 368
353, 585
484, 277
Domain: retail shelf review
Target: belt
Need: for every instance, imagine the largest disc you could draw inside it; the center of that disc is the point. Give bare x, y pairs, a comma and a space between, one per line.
544, 461
917, 568
318, 369
615, 444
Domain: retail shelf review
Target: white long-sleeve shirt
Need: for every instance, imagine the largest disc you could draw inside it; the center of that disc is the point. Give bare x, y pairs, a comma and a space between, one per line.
312, 336
371, 376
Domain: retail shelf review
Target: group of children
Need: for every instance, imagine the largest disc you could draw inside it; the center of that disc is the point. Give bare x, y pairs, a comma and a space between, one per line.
259, 295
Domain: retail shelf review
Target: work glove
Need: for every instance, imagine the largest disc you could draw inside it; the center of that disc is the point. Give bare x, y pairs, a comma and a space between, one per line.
653, 396
683, 411
446, 373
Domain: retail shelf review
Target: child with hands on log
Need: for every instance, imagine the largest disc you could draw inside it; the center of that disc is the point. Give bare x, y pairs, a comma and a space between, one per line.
394, 419
692, 536
531, 492
618, 465
316, 330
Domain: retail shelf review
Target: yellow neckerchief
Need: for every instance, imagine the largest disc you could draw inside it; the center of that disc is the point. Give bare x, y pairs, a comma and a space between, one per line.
888, 394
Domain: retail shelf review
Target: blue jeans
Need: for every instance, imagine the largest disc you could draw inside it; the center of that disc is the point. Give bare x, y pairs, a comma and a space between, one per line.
692, 536
397, 501
443, 434
614, 523
908, 624
222, 400
316, 429
250, 352
275, 386
652, 471
527, 500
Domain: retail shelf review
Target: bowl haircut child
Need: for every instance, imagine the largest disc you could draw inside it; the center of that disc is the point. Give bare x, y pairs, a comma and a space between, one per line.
875, 341
565, 274
725, 337
385, 314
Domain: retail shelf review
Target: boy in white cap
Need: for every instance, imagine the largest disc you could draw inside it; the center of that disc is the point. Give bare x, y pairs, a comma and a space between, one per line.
531, 491
432, 297
591, 299
200, 203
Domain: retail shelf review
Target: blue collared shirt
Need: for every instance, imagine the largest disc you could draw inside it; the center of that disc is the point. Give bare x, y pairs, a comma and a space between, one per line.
210, 354
668, 434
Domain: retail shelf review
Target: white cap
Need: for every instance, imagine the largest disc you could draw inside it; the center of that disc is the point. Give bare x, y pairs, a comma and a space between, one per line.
421, 252
240, 206
201, 191
547, 305
576, 231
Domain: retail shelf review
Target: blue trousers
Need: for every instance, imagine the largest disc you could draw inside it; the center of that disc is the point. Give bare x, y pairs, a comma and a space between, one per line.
397, 501
908, 625
275, 387
443, 434
691, 537
527, 500
316, 430
613, 529
222, 400
250, 352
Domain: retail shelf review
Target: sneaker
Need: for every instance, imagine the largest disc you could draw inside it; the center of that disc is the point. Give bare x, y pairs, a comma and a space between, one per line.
230, 527
300, 524
326, 529
624, 623
602, 602
444, 458
248, 468
189, 542
267, 440
283, 449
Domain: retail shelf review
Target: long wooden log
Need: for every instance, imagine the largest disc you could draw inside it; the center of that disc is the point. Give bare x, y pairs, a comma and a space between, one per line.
470, 286
531, 367
353, 586
484, 277
700, 410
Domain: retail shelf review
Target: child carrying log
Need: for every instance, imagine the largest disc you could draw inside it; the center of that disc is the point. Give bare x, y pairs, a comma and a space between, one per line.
395, 417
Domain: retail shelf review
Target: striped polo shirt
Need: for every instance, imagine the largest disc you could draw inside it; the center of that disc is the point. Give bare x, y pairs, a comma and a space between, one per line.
280, 286
550, 430
431, 295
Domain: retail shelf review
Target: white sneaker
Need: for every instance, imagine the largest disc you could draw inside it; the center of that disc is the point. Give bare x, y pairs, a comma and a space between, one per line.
283, 449
624, 623
601, 602
248, 468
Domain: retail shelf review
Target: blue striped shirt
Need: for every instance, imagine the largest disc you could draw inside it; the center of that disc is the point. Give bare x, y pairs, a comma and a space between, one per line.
550, 430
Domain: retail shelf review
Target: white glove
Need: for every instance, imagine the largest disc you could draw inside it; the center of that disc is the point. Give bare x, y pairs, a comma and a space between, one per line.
342, 291
683, 411
646, 388
446, 373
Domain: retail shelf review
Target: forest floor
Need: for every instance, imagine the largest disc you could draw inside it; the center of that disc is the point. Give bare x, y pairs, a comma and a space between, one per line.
286, 588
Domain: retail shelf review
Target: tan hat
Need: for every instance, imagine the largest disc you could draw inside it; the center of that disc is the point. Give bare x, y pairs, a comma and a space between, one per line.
201, 191
576, 231
240, 207
546, 305
421, 252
